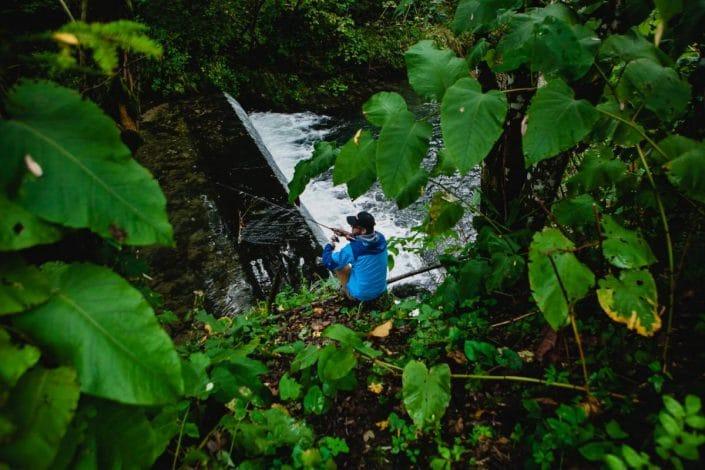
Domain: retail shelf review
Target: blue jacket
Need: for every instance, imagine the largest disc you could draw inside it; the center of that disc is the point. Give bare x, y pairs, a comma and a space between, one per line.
368, 256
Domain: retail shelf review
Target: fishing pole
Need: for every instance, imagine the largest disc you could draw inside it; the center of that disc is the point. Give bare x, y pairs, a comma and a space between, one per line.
337, 231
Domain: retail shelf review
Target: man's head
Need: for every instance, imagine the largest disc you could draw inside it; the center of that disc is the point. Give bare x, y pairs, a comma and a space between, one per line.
362, 224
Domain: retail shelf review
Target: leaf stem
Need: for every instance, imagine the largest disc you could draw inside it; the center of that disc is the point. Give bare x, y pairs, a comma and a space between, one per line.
669, 250
634, 126
518, 90
181, 435
571, 316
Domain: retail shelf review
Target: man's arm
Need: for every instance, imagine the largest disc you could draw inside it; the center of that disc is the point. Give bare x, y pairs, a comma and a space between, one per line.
337, 260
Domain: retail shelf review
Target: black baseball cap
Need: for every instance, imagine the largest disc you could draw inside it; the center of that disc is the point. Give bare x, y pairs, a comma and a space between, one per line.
363, 219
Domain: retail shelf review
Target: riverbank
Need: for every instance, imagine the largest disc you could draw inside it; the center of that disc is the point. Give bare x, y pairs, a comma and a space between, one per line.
228, 246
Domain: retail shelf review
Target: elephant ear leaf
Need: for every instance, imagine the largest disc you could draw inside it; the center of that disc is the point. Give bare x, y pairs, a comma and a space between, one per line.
625, 248
432, 71
324, 155
80, 173
426, 392
632, 299
556, 276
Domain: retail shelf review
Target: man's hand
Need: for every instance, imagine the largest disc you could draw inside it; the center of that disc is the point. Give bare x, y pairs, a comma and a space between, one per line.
333, 240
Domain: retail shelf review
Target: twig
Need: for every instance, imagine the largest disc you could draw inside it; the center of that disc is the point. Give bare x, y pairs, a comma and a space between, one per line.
66, 9
518, 90
513, 320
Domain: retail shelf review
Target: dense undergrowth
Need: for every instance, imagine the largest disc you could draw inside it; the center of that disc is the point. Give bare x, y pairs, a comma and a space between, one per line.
568, 333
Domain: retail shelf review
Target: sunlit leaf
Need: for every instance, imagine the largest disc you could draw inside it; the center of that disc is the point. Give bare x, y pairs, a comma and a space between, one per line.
431, 70
108, 332
88, 178
324, 155
552, 104
548, 284
383, 105
632, 299
624, 248
402, 145
471, 122
426, 392
355, 165
40, 406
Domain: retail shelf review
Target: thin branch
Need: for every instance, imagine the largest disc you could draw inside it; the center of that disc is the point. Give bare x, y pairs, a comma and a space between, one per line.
66, 9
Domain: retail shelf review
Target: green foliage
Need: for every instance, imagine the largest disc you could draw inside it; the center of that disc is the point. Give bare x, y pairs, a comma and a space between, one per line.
471, 121
382, 106
355, 164
433, 71
80, 162
478, 16
323, 158
632, 299
443, 214
426, 392
556, 103
556, 276
687, 173
624, 248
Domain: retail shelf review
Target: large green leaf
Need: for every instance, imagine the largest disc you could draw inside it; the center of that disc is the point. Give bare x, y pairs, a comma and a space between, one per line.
549, 42
426, 393
108, 333
355, 165
687, 173
624, 248
402, 145
546, 287
347, 337
674, 146
324, 154
41, 407
659, 88
335, 363
610, 130
575, 212
383, 105
413, 190
632, 46
87, 177
117, 436
20, 229
478, 16
598, 169
471, 122
669, 8
432, 70
21, 286
632, 299
16, 359
553, 104
443, 213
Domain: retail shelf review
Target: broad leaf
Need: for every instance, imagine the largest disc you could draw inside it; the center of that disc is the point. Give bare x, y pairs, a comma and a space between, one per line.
413, 190
347, 337
471, 122
477, 16
659, 88
546, 287
599, 169
687, 173
624, 248
20, 229
632, 46
305, 358
432, 70
553, 104
668, 8
21, 286
16, 359
108, 332
578, 211
402, 145
549, 42
478, 53
323, 158
41, 407
289, 389
355, 165
632, 299
674, 146
314, 401
87, 176
443, 213
426, 393
610, 130
335, 363
383, 105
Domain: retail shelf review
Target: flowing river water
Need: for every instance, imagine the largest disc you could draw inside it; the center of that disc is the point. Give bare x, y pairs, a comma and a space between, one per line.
290, 138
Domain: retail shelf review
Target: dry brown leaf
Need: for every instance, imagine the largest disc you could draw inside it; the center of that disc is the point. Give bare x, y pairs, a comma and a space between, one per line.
478, 414
548, 342
382, 331
458, 357
375, 388
368, 435
458, 426
66, 38
382, 425
317, 311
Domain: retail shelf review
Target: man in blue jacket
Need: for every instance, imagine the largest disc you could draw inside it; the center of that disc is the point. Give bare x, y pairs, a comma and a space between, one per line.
361, 266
